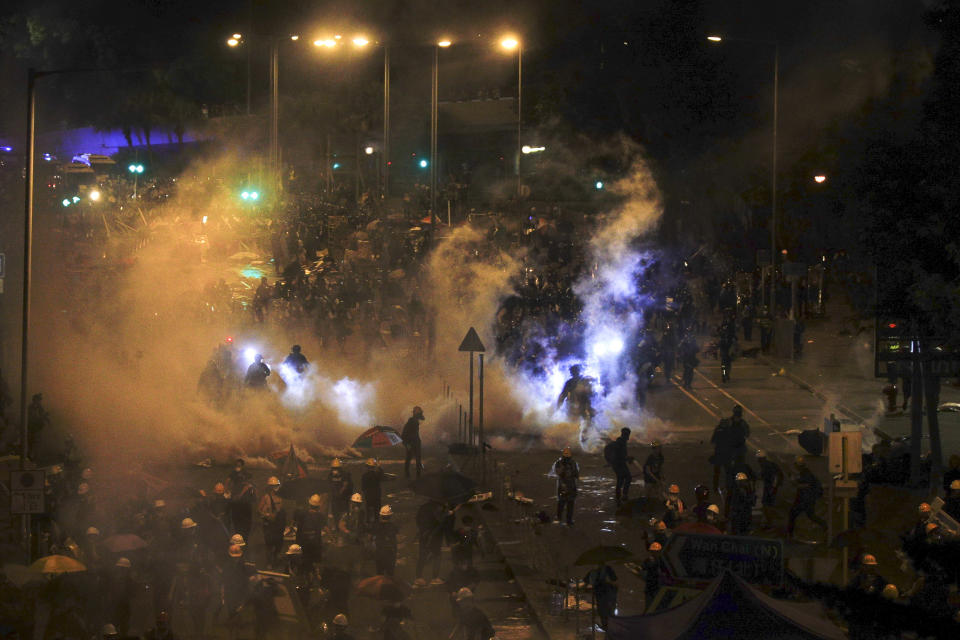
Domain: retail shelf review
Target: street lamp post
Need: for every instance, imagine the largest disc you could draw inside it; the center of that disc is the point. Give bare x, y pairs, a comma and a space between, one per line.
509, 43
773, 172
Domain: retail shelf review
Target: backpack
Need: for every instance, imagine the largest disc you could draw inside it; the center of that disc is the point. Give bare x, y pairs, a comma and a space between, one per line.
610, 452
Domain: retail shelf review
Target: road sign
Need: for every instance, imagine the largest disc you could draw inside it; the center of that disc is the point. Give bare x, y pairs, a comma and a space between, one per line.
471, 342
703, 557
26, 492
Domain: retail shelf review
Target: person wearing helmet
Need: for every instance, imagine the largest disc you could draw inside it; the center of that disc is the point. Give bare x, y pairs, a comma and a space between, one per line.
273, 518
339, 628
219, 505
568, 473
310, 523
385, 542
772, 476
119, 589
471, 621
675, 509
713, 514
411, 441
809, 491
162, 630
370, 483
702, 493
651, 573
918, 532
340, 489
653, 474
434, 523
352, 526
866, 579
578, 393
235, 584
296, 361
739, 466
741, 506
257, 373
688, 358
729, 443
660, 533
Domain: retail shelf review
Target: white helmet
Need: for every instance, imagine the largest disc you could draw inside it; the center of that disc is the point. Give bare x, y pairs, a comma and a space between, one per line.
295, 550
238, 540
340, 620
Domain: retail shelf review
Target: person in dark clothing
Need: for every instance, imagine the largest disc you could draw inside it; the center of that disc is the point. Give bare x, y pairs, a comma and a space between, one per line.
653, 473
729, 442
310, 525
951, 474
261, 298
651, 574
604, 582
668, 352
341, 488
952, 503
725, 345
765, 323
370, 488
688, 358
809, 491
772, 476
702, 495
411, 441
620, 462
858, 504
741, 506
675, 509
746, 320
243, 496
798, 328
296, 361
472, 623
866, 579
578, 393
257, 372
432, 520
568, 473
162, 630
385, 542
273, 519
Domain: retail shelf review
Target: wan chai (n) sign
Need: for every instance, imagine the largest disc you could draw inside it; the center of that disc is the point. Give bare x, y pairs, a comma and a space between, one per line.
697, 558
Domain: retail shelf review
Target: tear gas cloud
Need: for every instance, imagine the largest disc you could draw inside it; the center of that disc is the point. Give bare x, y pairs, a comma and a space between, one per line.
118, 356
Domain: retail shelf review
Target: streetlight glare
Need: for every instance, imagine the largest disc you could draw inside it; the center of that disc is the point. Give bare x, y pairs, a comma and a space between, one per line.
527, 149
820, 179
294, 37
368, 151
132, 168
509, 43
237, 36
360, 41
714, 38
444, 43
329, 43
95, 195
232, 42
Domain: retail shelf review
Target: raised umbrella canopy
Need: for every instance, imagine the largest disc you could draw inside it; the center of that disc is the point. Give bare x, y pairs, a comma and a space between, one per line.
58, 564
444, 486
378, 437
603, 553
383, 588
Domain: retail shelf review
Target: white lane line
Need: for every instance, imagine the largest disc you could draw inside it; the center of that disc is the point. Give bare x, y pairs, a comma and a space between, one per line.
695, 399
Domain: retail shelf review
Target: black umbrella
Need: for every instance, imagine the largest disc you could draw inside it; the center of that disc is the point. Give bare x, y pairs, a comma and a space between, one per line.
444, 486
603, 553
300, 489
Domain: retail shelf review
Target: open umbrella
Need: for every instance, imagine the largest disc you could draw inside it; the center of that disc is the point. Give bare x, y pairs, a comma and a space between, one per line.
123, 542
383, 588
300, 489
446, 486
57, 564
378, 437
603, 553
289, 464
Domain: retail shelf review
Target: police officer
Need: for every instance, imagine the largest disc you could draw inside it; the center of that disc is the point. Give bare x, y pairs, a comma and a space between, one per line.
620, 460
296, 360
688, 358
257, 373
568, 472
411, 441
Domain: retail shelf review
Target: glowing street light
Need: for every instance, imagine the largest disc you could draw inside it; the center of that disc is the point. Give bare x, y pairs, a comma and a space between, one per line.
95, 196
820, 179
527, 149
368, 150
360, 41
444, 43
234, 40
509, 43
598, 185
714, 38
329, 43
294, 37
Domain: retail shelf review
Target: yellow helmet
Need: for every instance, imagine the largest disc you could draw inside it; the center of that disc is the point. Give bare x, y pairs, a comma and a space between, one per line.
356, 498
661, 526
932, 526
336, 464
890, 592
314, 500
656, 546
869, 560
741, 476
219, 489
235, 551
567, 452
924, 508
673, 489
955, 485
273, 481
371, 462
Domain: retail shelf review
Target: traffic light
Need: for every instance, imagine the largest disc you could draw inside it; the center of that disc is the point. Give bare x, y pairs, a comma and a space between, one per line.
135, 168
249, 195
598, 185
892, 344
424, 163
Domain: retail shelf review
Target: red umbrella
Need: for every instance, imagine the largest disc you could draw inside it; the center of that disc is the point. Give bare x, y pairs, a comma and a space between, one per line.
377, 437
383, 588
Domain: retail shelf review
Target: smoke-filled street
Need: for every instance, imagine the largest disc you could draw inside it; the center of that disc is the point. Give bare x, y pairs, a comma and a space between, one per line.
544, 321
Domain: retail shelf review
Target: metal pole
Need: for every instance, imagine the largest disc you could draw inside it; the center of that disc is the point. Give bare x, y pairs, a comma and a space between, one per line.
773, 186
916, 408
385, 161
249, 52
32, 76
275, 112
483, 450
519, 109
470, 418
434, 82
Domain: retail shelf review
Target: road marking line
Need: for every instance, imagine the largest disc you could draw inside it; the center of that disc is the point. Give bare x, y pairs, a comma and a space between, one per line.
694, 398
745, 408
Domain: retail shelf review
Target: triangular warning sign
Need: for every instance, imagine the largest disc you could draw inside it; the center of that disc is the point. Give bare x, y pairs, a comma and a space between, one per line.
471, 342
